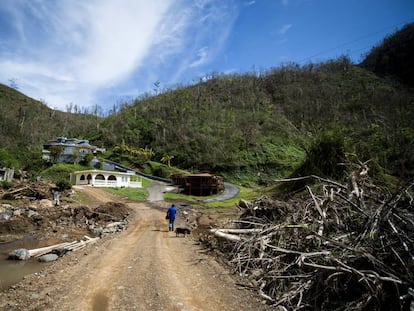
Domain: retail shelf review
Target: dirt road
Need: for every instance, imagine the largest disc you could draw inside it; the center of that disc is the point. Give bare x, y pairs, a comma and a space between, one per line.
143, 268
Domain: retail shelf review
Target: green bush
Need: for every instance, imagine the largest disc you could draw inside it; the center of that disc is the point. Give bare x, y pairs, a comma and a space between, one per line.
324, 158
60, 171
86, 160
63, 185
6, 184
8, 159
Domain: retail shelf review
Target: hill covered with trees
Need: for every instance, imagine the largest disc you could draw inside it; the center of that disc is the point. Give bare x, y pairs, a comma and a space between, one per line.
250, 127
394, 56
25, 124
264, 123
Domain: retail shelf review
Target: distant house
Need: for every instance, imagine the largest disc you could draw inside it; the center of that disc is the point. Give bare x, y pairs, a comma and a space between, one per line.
203, 184
100, 178
68, 150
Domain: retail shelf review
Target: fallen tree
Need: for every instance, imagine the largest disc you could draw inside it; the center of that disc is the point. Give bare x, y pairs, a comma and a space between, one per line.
345, 247
60, 249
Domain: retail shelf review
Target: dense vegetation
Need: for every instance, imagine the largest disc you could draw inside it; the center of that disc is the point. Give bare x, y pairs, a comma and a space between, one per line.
250, 127
394, 56
27, 123
264, 123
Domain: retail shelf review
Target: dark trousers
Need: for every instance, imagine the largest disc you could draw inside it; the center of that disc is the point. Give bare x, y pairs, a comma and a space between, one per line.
171, 225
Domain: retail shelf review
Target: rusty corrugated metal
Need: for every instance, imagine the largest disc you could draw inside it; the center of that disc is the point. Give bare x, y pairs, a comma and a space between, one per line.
201, 184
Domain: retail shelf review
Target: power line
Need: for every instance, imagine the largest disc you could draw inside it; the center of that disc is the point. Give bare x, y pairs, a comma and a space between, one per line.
354, 41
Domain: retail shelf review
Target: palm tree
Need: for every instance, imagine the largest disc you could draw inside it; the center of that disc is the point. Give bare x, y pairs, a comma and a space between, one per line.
147, 153
167, 159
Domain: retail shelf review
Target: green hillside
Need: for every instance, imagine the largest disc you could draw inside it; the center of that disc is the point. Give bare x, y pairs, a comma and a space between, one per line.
264, 123
26, 123
250, 127
393, 58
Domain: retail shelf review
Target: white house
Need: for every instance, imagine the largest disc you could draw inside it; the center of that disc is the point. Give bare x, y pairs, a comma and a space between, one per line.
101, 178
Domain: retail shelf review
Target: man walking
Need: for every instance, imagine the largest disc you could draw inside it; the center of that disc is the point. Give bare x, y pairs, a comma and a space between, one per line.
171, 212
56, 197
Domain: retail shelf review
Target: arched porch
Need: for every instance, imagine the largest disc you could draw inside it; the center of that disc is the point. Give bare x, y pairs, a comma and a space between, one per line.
100, 178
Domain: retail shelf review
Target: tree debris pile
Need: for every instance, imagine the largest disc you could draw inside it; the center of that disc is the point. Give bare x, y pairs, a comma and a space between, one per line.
347, 247
33, 191
72, 221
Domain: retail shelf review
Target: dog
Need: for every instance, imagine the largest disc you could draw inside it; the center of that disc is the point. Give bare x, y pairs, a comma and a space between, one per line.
183, 231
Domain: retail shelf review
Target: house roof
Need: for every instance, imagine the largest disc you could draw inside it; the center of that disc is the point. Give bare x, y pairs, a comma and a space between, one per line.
200, 175
102, 172
193, 175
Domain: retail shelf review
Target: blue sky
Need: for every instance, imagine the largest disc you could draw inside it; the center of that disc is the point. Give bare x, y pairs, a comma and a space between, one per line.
105, 52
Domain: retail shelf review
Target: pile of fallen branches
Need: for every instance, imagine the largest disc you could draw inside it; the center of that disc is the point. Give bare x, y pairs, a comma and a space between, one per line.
33, 191
347, 247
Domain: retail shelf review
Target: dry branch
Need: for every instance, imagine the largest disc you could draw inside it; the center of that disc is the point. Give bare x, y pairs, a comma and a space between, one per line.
347, 247
229, 237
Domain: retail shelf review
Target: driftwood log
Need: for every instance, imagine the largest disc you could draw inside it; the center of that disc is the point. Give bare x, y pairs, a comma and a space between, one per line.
62, 247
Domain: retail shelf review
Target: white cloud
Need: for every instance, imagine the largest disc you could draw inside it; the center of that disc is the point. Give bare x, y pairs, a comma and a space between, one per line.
119, 39
284, 29
213, 23
80, 46
73, 51
202, 56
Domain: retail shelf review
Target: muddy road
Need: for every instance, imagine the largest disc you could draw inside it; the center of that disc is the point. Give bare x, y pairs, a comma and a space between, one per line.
143, 268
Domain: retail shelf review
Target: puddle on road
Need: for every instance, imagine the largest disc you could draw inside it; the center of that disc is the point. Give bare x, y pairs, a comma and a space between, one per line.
13, 271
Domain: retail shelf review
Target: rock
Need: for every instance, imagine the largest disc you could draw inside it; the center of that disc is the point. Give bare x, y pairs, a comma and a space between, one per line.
97, 231
35, 296
6, 216
46, 203
19, 254
60, 251
48, 258
32, 213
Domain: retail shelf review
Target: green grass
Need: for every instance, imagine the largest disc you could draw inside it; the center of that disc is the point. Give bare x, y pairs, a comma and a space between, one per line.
161, 170
147, 182
61, 171
133, 194
245, 193
183, 197
79, 197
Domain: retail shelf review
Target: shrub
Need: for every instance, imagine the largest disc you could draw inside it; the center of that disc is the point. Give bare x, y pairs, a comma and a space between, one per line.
6, 184
63, 185
323, 158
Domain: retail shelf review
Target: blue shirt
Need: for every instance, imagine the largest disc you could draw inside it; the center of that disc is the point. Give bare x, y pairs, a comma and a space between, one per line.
171, 213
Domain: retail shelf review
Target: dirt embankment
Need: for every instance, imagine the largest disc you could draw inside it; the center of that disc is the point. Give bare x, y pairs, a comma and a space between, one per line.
142, 268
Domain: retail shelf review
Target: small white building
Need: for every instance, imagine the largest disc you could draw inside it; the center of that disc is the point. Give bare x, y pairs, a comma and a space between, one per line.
101, 178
